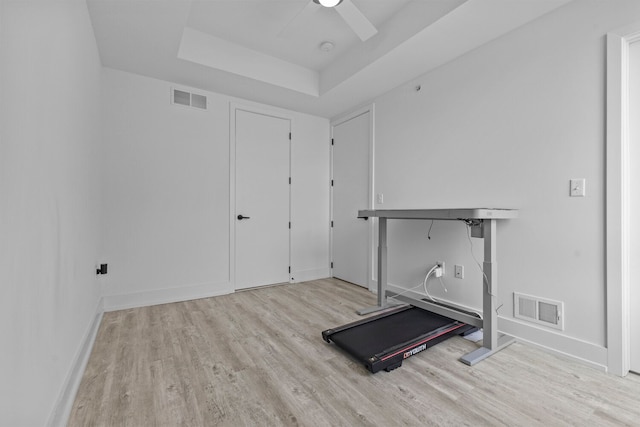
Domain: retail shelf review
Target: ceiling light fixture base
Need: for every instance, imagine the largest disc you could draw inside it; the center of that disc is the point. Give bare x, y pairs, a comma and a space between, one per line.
328, 3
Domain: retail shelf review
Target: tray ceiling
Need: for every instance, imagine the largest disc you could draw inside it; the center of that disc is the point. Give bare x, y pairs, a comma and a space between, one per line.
269, 50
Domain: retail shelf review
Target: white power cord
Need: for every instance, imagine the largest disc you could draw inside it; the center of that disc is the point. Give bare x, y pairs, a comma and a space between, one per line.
436, 268
437, 271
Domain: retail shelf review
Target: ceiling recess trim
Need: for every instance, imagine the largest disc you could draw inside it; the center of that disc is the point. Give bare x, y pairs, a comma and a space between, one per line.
214, 52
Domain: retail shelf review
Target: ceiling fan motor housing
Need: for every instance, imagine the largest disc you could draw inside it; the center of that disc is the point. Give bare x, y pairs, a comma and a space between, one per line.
328, 3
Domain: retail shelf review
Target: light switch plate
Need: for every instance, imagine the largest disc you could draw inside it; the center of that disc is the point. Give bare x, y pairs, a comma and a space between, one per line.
577, 187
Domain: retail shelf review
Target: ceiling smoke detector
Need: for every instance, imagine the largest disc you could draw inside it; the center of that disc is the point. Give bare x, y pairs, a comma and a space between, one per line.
328, 3
326, 46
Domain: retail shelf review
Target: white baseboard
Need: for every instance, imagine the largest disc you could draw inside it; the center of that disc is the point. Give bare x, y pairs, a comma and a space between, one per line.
165, 296
555, 342
307, 275
550, 340
62, 409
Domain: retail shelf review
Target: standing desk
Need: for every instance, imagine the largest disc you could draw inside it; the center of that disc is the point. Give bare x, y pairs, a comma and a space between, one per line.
483, 223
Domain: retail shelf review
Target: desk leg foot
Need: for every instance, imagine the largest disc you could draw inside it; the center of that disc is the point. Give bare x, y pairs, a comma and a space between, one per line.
482, 353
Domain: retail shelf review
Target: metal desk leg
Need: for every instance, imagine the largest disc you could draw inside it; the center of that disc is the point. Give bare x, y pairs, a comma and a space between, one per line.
491, 342
382, 270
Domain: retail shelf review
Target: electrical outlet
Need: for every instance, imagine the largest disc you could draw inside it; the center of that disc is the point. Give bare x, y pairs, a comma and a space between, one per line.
101, 269
459, 271
380, 198
441, 265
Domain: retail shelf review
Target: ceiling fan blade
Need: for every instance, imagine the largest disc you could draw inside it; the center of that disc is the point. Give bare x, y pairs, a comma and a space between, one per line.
305, 13
356, 20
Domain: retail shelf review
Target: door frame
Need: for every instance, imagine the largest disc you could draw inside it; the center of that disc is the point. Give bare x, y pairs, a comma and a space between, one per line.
256, 109
336, 121
618, 194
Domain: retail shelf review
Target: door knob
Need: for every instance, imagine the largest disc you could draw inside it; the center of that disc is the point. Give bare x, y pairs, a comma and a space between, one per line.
241, 217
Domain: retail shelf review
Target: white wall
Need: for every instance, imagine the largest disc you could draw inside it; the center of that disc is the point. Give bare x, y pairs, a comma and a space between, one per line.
310, 198
166, 174
50, 204
508, 125
167, 194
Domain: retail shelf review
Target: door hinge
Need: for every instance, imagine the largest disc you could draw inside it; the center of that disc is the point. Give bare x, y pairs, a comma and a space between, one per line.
289, 225
289, 269
331, 264
332, 183
332, 224
331, 141
289, 136
289, 180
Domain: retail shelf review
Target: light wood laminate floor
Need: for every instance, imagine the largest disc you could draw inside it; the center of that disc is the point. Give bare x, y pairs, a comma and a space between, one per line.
257, 358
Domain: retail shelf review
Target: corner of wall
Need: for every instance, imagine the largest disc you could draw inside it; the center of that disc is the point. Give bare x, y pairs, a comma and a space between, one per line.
62, 409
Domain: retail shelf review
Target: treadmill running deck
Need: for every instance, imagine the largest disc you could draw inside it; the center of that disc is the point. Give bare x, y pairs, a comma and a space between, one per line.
385, 340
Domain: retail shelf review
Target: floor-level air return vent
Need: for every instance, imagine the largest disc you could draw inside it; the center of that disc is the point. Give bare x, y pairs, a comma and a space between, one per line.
188, 99
539, 310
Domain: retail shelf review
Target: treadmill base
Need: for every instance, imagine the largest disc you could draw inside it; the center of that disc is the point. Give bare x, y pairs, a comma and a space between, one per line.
385, 340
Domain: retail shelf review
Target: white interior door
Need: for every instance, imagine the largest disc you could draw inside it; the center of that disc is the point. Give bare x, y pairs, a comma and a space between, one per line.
634, 162
262, 199
351, 140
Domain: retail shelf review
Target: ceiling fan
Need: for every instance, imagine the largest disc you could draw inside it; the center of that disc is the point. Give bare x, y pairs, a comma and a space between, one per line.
347, 10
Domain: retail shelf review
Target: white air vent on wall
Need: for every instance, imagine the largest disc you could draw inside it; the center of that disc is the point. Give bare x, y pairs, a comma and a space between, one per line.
188, 99
539, 310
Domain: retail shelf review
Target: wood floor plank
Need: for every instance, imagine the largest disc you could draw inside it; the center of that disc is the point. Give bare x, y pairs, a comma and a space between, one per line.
256, 357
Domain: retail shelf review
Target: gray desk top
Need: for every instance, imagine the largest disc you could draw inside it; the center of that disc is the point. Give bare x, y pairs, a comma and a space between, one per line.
453, 214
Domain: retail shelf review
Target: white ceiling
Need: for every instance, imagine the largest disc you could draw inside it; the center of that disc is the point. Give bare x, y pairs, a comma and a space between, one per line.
278, 28
268, 50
